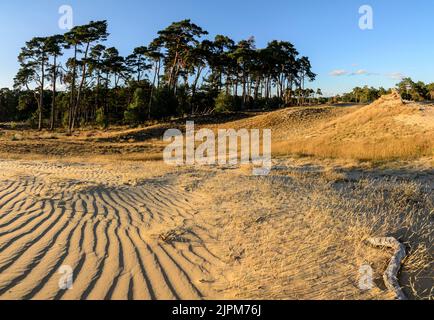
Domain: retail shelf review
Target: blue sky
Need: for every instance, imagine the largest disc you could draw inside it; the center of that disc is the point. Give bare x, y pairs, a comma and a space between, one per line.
328, 32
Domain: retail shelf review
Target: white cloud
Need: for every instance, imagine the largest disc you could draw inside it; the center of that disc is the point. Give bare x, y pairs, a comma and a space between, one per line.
338, 73
359, 72
395, 75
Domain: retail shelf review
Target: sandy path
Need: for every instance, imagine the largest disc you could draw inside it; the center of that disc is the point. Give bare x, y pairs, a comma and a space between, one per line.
108, 236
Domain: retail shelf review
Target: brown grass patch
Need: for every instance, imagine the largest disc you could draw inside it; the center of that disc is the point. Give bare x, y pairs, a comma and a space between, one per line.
388, 149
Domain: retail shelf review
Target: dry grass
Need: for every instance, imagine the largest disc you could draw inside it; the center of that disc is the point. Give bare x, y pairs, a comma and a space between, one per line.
386, 130
378, 132
382, 150
299, 234
179, 235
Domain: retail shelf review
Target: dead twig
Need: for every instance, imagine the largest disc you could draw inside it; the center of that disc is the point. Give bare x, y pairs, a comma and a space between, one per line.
390, 277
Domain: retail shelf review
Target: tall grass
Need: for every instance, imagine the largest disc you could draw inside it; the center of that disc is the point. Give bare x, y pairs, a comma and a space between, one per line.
382, 150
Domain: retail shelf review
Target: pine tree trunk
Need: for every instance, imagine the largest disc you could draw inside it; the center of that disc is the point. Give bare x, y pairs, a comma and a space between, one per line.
258, 83
80, 88
193, 91
71, 101
41, 95
53, 105
158, 73
152, 90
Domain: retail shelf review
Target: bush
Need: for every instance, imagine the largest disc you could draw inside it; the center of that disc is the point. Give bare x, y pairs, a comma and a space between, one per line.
274, 103
33, 120
164, 103
204, 101
183, 106
65, 119
227, 103
101, 119
223, 103
136, 111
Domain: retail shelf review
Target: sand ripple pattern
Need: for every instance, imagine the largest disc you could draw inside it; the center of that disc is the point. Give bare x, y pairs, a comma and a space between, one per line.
110, 237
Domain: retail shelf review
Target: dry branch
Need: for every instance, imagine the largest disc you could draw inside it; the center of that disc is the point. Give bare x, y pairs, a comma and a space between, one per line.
391, 275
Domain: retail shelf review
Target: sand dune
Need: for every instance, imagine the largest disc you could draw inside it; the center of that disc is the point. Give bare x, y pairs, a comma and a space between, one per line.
146, 231
143, 230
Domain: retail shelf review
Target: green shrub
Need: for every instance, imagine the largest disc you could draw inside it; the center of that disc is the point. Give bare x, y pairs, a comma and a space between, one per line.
33, 120
274, 103
223, 103
164, 103
65, 119
184, 103
227, 103
136, 111
101, 119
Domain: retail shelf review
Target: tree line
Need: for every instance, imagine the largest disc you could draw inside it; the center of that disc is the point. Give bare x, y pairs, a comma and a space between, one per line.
416, 91
408, 89
73, 79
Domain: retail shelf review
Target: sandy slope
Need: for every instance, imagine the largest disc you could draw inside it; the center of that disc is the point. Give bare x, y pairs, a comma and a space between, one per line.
385, 130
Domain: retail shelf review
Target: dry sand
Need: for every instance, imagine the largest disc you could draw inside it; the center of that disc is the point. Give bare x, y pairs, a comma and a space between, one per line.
147, 231
106, 225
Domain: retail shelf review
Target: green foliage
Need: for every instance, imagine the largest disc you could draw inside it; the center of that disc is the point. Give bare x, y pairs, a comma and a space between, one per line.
224, 103
65, 119
33, 121
136, 111
228, 103
409, 90
183, 107
9, 105
274, 103
101, 119
164, 103
362, 95
416, 91
430, 88
179, 73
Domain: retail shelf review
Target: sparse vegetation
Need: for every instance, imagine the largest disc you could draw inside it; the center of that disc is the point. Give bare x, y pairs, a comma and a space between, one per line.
303, 238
